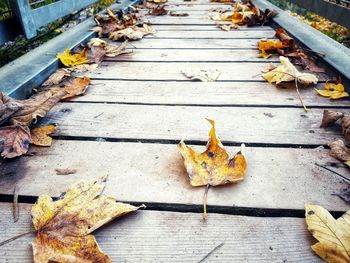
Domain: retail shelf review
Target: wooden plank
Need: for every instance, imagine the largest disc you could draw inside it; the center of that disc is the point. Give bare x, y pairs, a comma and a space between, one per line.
276, 178
235, 124
202, 93
190, 7
214, 34
204, 28
151, 236
196, 43
234, 71
188, 20
194, 55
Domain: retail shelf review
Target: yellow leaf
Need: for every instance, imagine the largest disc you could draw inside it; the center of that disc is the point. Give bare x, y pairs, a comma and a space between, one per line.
333, 91
40, 135
265, 45
72, 60
333, 235
64, 226
287, 72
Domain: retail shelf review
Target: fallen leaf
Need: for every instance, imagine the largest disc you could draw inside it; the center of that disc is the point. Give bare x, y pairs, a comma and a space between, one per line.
40, 135
202, 75
222, 1
57, 77
71, 60
333, 235
8, 107
157, 1
330, 117
75, 87
14, 141
333, 91
96, 54
345, 124
339, 151
268, 45
213, 166
97, 42
65, 171
64, 226
37, 106
114, 51
132, 33
159, 10
287, 72
227, 27
84, 67
283, 36
181, 14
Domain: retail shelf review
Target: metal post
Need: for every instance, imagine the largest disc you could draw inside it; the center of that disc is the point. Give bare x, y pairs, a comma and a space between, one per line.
22, 10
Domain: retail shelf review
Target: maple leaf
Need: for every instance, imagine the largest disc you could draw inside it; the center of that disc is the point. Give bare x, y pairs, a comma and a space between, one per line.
202, 75
14, 141
71, 60
37, 106
287, 72
132, 33
40, 135
8, 107
213, 166
333, 235
64, 226
333, 91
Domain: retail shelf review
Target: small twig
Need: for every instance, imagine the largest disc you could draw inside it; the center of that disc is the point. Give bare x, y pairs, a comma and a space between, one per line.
16, 237
300, 98
15, 204
205, 201
211, 252
332, 171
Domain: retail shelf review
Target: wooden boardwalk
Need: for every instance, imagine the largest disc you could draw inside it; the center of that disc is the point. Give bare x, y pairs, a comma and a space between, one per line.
127, 126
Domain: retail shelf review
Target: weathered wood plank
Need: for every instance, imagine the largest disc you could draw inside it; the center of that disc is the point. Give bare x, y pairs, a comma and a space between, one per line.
196, 43
202, 93
194, 55
144, 172
192, 8
219, 34
188, 20
235, 124
152, 236
205, 28
234, 71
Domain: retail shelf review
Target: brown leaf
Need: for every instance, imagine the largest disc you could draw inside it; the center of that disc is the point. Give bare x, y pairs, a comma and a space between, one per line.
114, 51
37, 106
159, 10
330, 117
345, 124
132, 33
14, 141
181, 14
57, 77
96, 54
8, 107
64, 226
40, 135
282, 35
339, 150
65, 171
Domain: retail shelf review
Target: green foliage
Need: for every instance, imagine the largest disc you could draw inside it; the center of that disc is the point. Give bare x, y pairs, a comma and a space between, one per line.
106, 3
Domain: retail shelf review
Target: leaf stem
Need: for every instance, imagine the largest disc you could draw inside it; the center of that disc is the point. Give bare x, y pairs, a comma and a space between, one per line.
16, 237
205, 202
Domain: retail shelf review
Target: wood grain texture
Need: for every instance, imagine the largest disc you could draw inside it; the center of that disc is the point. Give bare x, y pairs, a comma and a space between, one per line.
234, 124
151, 236
194, 55
235, 71
145, 172
206, 28
202, 93
219, 34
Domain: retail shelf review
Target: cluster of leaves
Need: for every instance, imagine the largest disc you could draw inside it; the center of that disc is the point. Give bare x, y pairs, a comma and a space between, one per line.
242, 14
122, 26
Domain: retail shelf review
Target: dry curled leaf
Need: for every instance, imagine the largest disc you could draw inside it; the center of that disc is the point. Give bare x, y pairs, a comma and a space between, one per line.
180, 14
222, 1
333, 91
213, 166
158, 10
339, 151
114, 51
14, 141
8, 107
202, 74
64, 226
268, 46
40, 136
72, 60
333, 235
37, 106
227, 27
132, 33
330, 117
157, 1
287, 72
57, 77
65, 171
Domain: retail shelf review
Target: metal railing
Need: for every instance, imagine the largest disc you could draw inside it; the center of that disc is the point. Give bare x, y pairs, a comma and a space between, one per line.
31, 15
337, 11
